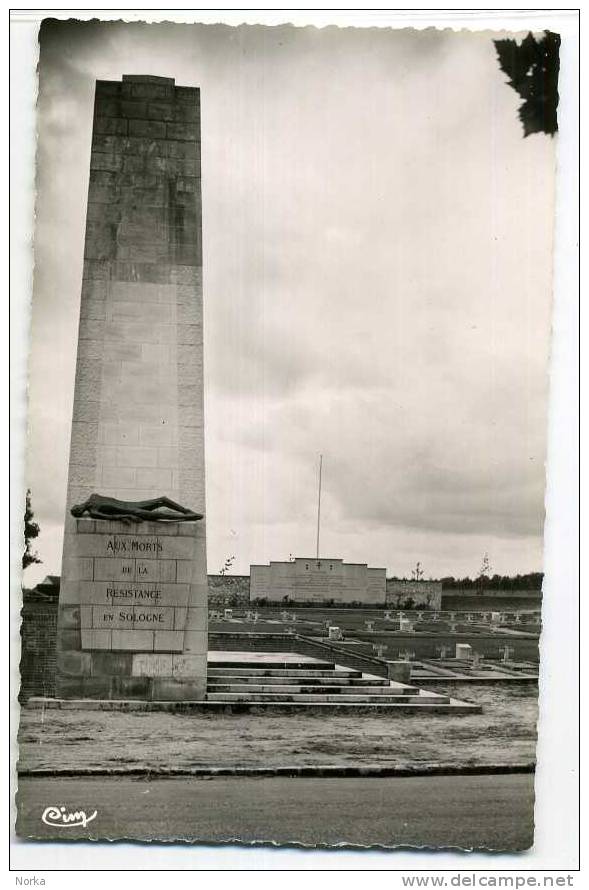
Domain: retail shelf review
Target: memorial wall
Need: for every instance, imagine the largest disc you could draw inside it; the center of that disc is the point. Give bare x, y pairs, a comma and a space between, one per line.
318, 581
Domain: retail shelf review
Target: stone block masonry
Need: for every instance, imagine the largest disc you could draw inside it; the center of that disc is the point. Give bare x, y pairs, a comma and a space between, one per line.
317, 581
37, 662
138, 426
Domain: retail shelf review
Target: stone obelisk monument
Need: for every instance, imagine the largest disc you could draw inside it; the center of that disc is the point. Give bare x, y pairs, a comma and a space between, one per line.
133, 599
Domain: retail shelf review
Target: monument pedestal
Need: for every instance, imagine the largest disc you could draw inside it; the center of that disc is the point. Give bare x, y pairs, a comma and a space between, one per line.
132, 618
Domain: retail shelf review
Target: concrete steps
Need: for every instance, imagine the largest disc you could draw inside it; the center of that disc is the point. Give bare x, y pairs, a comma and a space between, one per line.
287, 672
272, 665
306, 683
363, 682
276, 688
415, 705
316, 698
268, 683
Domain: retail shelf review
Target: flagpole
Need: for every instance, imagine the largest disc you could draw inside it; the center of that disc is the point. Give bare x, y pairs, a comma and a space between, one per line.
319, 503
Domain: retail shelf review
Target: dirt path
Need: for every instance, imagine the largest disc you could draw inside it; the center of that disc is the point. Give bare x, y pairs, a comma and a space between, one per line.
505, 733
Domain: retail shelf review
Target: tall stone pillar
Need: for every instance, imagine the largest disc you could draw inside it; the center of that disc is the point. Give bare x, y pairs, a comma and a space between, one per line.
133, 599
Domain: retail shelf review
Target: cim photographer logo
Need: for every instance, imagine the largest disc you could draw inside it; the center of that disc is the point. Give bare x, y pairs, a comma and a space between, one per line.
61, 817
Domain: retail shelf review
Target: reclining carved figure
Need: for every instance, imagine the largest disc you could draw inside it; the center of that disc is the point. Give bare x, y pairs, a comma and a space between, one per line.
160, 509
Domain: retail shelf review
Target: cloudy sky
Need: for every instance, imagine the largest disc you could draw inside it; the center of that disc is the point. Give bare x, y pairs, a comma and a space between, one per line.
377, 262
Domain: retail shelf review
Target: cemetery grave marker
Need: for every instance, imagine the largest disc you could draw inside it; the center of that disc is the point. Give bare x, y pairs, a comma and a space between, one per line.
463, 651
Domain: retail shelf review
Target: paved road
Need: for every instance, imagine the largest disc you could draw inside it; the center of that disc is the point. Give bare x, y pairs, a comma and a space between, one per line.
495, 812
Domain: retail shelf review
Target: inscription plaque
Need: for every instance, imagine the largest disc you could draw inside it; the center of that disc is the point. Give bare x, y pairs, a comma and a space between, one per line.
137, 592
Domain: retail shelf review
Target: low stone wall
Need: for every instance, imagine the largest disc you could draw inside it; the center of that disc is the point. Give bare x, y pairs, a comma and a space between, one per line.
37, 664
413, 594
327, 651
251, 642
299, 644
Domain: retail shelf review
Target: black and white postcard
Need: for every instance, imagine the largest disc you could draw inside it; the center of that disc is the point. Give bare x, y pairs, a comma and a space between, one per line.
292, 307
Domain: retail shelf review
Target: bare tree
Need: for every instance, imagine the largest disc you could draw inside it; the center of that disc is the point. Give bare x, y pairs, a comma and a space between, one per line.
417, 573
484, 572
227, 565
